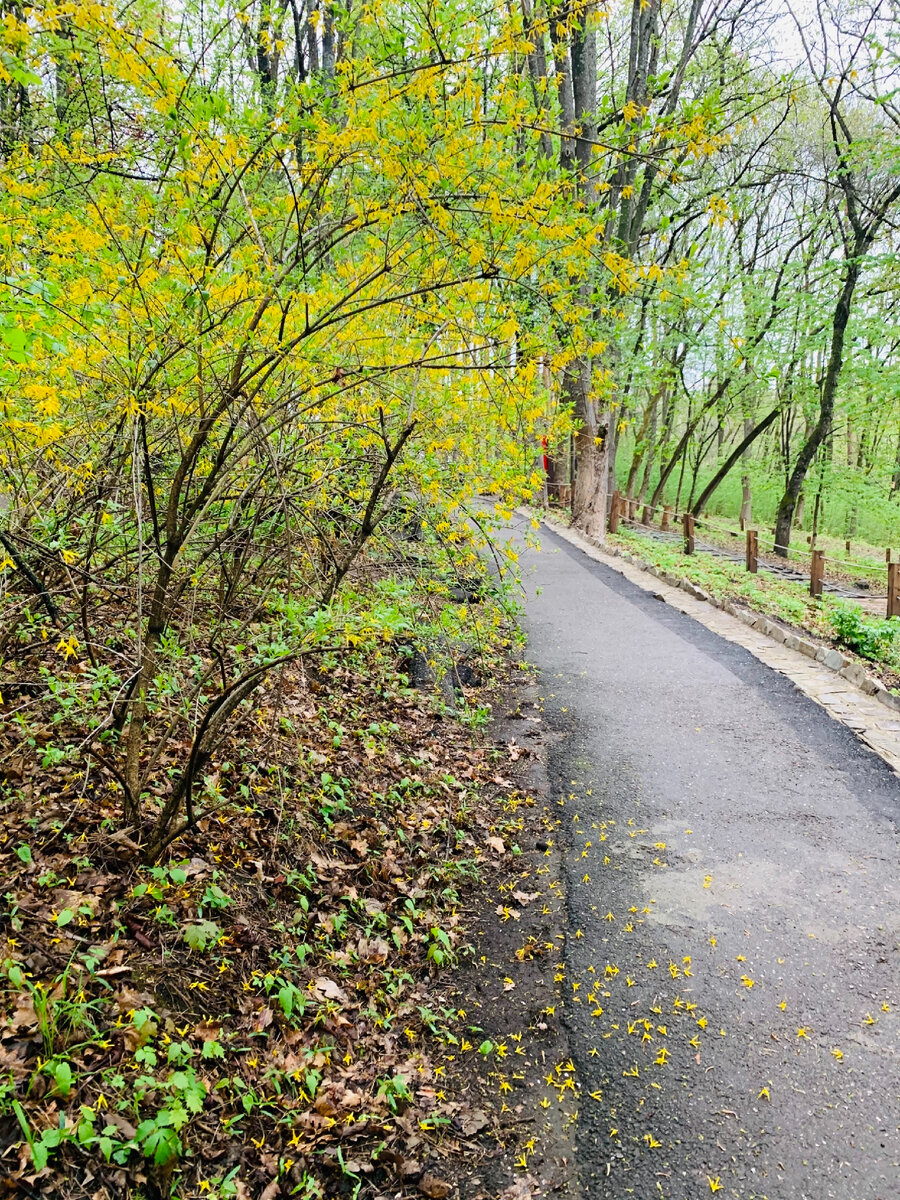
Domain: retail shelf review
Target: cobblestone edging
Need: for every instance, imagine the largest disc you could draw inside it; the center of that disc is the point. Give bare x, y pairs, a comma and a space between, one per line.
831, 678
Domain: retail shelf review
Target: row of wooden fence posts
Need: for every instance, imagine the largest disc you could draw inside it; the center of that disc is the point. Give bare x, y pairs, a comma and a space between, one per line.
622, 507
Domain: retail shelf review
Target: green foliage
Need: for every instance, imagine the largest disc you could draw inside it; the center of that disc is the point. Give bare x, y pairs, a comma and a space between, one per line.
396, 1092
202, 934
871, 637
867, 636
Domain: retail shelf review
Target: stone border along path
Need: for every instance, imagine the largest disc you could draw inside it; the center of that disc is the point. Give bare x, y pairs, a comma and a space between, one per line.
832, 680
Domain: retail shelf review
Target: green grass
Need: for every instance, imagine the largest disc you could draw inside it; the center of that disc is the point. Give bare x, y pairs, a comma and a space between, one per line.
827, 618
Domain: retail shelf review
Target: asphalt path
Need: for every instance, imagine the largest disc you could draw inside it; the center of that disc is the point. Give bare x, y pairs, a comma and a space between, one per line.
732, 976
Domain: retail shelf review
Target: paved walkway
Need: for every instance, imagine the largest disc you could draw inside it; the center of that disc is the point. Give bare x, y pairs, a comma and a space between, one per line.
872, 721
731, 982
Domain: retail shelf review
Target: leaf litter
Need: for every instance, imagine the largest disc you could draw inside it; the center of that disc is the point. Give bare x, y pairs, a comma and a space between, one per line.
260, 1014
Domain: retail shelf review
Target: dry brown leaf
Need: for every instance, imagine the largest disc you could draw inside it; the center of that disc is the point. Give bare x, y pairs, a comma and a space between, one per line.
436, 1189
124, 1126
473, 1122
264, 1020
522, 1189
324, 988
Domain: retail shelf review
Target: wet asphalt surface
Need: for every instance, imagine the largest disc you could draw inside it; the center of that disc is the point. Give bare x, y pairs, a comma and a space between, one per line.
732, 976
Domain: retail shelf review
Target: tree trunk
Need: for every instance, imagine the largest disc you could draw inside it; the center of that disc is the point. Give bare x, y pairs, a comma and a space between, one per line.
800, 513
742, 449
329, 44
646, 438
564, 92
822, 427
851, 521
537, 69
894, 492
589, 498
648, 462
746, 493
591, 442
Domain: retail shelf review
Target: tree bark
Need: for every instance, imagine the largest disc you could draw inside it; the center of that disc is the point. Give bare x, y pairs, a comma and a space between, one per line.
564, 92
820, 430
729, 462
589, 497
591, 441
537, 70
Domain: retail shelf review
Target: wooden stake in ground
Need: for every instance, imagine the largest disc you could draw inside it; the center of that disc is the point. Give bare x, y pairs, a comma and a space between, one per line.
688, 522
615, 512
816, 572
752, 551
893, 596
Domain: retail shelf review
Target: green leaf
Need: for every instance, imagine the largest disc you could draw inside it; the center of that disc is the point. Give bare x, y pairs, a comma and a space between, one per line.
24, 852
18, 72
62, 1078
200, 935
65, 917
158, 1140
16, 341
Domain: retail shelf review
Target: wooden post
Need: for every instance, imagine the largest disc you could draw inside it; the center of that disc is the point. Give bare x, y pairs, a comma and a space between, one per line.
887, 555
752, 551
646, 515
615, 512
632, 506
816, 572
688, 522
893, 599
847, 547
666, 516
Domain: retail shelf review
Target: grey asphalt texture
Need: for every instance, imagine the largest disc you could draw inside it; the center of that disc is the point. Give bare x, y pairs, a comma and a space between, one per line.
733, 892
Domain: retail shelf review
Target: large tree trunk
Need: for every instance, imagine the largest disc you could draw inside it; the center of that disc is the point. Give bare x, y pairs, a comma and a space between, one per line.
591, 442
589, 498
